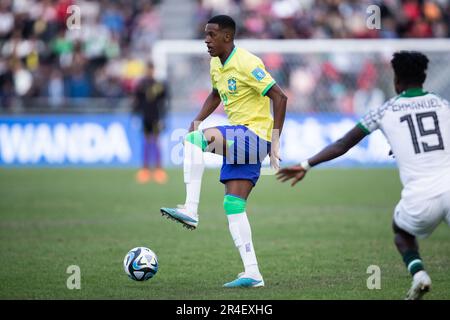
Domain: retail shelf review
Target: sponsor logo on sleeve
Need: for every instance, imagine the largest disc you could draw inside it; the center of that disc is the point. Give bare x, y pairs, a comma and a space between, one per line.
259, 74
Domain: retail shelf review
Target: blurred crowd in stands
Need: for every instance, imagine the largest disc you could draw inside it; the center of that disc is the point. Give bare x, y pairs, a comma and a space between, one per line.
304, 19
41, 58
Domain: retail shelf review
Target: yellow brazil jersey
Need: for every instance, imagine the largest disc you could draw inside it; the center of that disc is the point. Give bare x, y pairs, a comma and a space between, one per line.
242, 83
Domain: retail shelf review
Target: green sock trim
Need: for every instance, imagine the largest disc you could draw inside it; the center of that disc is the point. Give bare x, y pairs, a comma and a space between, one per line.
198, 139
233, 204
413, 261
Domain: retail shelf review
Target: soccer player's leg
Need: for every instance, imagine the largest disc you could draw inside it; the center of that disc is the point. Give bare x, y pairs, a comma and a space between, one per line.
144, 174
409, 250
240, 173
196, 142
235, 201
159, 174
414, 219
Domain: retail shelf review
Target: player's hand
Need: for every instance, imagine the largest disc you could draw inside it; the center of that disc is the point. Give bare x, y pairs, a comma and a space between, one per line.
296, 173
275, 154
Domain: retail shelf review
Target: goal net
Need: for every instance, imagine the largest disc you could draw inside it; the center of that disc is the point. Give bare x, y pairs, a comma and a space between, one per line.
339, 76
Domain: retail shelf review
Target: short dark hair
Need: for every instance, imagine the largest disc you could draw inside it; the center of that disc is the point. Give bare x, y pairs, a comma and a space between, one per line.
224, 22
410, 67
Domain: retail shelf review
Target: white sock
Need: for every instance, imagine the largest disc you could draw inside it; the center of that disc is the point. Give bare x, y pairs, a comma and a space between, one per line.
193, 167
242, 236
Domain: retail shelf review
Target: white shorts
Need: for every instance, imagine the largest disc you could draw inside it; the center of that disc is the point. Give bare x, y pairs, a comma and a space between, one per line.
421, 217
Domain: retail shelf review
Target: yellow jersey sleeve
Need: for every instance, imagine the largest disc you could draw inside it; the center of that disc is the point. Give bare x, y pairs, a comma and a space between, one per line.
258, 77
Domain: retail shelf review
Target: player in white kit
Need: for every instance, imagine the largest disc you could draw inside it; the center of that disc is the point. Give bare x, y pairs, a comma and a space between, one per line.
416, 124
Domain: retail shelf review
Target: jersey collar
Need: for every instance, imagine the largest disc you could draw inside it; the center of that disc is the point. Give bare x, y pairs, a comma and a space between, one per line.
229, 57
413, 92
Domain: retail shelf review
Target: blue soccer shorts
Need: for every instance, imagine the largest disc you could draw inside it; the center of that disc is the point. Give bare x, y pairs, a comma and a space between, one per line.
245, 153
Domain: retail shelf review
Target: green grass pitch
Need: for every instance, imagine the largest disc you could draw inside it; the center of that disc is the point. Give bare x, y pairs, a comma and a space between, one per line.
314, 241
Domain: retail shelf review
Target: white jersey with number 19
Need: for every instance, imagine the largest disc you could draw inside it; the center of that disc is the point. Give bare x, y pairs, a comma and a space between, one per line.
417, 126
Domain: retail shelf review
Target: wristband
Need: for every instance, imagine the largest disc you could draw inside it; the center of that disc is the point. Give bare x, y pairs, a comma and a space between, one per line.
305, 165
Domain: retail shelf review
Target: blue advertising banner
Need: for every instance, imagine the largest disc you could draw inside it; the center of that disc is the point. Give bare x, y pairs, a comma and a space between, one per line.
80, 140
115, 140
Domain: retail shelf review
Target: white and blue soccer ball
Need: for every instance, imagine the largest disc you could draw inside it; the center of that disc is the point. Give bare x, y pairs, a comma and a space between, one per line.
140, 264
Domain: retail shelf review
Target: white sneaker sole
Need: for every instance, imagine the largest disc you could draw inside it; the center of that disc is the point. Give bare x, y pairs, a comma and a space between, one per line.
186, 224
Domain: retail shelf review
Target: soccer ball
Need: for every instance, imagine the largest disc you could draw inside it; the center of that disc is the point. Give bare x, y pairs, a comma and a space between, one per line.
140, 264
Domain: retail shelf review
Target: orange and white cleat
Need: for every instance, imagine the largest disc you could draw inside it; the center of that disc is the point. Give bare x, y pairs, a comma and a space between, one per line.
421, 284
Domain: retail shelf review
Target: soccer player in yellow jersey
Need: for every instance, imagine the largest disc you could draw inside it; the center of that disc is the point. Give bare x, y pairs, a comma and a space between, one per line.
240, 81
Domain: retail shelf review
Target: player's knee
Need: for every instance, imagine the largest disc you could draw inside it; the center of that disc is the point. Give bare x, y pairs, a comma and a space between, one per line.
233, 204
197, 138
398, 230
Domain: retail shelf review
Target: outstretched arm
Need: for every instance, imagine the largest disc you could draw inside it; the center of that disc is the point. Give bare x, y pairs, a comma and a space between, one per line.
330, 152
211, 103
279, 100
